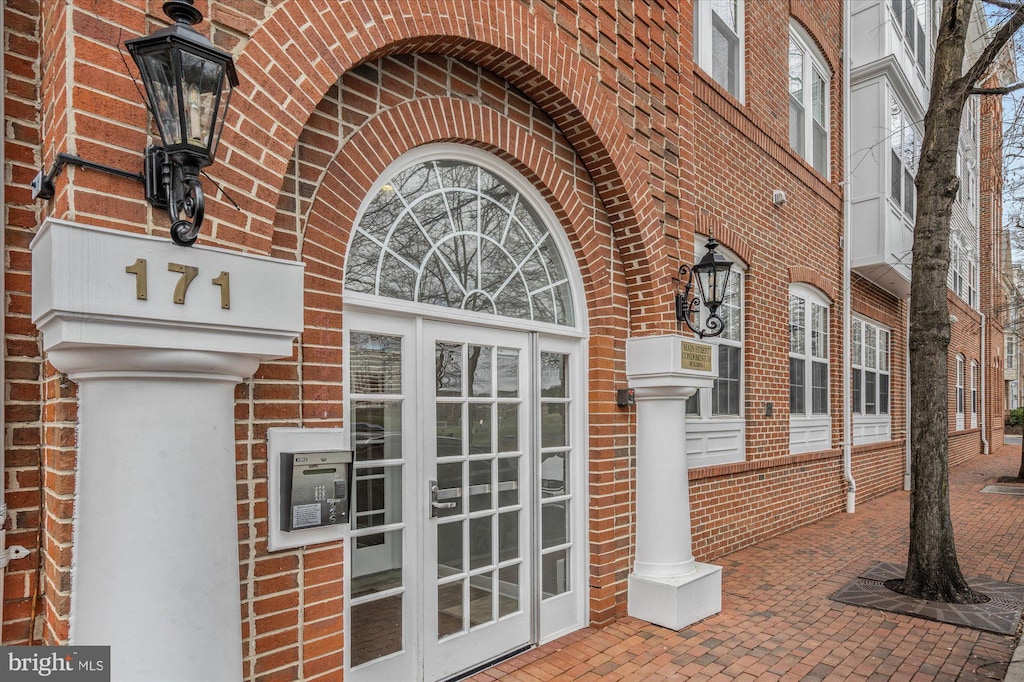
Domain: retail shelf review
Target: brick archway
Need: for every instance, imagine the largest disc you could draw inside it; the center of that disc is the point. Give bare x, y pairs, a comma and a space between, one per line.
343, 188
388, 136
299, 53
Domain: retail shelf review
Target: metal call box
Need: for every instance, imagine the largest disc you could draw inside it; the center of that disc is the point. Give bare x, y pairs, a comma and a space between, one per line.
315, 489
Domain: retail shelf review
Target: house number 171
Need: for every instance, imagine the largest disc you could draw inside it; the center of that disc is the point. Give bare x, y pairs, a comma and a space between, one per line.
187, 273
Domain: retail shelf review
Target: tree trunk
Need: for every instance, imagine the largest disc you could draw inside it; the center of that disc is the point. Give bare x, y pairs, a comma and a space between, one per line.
933, 571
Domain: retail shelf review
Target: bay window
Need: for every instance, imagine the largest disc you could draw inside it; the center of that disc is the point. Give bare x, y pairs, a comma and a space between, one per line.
909, 17
904, 154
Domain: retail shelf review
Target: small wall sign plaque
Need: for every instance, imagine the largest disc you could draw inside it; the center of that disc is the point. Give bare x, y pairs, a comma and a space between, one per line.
695, 356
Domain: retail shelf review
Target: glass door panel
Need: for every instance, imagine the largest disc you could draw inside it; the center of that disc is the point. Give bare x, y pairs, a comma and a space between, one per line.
467, 481
378, 591
479, 543
561, 482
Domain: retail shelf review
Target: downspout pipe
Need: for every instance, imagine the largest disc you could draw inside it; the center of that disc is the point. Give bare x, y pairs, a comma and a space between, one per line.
851, 485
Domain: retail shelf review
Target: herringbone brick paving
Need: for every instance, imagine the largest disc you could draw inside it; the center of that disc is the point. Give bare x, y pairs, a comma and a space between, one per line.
778, 623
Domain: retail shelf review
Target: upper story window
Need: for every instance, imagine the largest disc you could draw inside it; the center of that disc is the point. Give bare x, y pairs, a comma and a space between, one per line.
968, 193
718, 40
963, 271
808, 100
1011, 350
971, 115
904, 153
960, 177
909, 18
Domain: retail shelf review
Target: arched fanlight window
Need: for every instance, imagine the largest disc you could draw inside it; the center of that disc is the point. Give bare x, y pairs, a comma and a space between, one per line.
452, 233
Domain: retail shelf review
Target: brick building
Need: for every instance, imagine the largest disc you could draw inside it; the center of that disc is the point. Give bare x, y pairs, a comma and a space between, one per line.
507, 190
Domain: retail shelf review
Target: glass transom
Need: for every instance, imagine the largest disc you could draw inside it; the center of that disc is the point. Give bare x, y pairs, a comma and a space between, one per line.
453, 234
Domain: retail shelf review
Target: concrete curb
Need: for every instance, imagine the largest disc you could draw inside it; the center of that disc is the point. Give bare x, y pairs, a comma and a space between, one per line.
1015, 671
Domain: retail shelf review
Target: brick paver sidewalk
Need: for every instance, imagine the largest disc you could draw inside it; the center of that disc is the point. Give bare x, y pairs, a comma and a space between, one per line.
778, 623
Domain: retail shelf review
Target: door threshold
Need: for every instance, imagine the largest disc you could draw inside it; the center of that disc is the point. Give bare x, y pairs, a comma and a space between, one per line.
493, 662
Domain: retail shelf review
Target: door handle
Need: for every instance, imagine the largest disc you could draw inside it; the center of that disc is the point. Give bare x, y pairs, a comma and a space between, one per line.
435, 506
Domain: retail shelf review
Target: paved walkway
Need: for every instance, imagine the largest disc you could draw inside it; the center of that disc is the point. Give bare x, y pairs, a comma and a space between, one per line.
778, 623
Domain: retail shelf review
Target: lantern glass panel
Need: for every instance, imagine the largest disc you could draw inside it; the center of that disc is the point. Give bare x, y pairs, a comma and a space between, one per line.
201, 81
159, 72
722, 270
702, 283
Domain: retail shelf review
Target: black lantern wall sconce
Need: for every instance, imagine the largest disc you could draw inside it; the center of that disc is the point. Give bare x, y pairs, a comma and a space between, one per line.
188, 86
711, 275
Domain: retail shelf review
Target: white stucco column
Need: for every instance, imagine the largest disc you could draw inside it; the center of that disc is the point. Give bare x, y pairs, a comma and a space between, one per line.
667, 586
157, 336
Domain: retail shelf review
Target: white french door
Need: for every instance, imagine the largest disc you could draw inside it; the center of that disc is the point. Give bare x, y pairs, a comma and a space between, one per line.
465, 363
477, 440
442, 551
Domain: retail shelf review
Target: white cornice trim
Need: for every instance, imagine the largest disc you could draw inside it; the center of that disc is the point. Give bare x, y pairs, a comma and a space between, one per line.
890, 68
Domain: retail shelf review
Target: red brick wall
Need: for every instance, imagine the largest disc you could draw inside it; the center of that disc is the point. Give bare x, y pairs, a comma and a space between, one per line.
377, 113
32, 447
992, 267
879, 467
599, 104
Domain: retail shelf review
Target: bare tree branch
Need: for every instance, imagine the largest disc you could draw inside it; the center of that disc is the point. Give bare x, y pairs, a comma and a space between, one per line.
996, 91
1004, 4
994, 47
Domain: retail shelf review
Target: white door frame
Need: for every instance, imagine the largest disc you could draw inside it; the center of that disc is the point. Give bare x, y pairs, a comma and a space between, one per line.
551, 618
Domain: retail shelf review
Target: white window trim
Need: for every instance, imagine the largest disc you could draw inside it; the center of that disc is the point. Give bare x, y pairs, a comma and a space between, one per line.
959, 396
872, 428
813, 61
460, 152
702, 44
963, 270
810, 432
719, 439
566, 612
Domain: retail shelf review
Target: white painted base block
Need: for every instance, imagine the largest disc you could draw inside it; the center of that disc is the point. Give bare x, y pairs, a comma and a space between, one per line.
676, 602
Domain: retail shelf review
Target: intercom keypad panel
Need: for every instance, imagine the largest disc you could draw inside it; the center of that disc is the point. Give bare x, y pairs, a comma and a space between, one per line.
315, 489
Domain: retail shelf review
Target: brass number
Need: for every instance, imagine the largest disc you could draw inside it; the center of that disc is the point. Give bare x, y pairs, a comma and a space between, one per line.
138, 268
224, 282
188, 273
